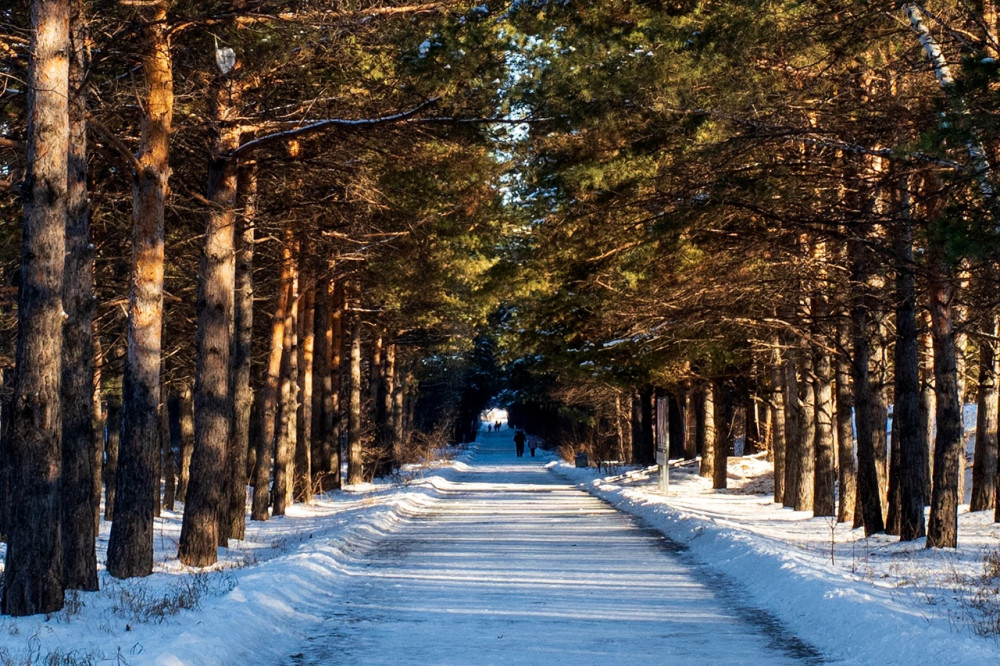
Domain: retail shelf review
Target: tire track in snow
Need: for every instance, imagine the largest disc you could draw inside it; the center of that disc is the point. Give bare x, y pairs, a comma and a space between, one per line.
515, 565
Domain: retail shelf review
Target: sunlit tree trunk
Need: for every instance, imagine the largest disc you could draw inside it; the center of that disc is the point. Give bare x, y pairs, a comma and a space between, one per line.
928, 405
33, 574
99, 422
846, 467
78, 536
355, 473
984, 466
284, 447
777, 407
705, 433
213, 397
186, 419
130, 547
306, 350
824, 445
751, 437
264, 445
399, 435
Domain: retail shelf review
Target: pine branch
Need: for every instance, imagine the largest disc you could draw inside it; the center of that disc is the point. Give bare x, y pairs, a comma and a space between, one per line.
320, 125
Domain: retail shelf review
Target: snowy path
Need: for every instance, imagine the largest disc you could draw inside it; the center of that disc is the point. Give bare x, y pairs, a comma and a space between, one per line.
517, 566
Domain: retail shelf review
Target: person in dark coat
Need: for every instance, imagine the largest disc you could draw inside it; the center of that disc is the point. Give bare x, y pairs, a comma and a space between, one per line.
519, 443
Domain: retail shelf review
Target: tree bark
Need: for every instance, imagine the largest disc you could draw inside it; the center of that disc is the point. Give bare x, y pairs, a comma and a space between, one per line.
186, 420
777, 406
383, 411
725, 414
355, 474
825, 474
284, 448
76, 395
169, 460
906, 413
236, 463
928, 406
111, 448
705, 433
334, 419
264, 446
399, 434
33, 574
7, 376
322, 384
984, 465
942, 530
130, 547
306, 354
803, 499
205, 512
869, 509
643, 452
847, 467
794, 429
98, 429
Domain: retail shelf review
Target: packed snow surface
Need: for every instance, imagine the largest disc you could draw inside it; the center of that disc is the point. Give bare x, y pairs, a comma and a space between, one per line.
497, 559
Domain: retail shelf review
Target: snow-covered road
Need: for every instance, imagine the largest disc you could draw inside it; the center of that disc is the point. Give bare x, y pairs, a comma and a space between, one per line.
515, 565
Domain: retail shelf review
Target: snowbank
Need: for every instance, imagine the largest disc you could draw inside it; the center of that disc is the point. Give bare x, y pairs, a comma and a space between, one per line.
858, 600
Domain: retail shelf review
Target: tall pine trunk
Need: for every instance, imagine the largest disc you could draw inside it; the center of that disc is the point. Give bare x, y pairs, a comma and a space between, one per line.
78, 535
705, 430
777, 407
130, 547
928, 406
794, 428
236, 463
725, 414
906, 413
284, 446
803, 499
264, 444
824, 501
33, 574
111, 447
355, 473
322, 384
942, 531
825, 475
868, 511
846, 468
213, 397
984, 465
306, 350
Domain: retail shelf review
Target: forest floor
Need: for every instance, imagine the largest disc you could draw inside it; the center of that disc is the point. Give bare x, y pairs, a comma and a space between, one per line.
294, 590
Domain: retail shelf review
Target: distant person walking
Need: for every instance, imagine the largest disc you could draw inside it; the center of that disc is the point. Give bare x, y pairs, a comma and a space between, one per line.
519, 443
533, 444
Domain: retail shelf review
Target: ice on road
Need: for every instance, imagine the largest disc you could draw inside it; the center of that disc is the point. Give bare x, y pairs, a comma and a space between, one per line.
516, 565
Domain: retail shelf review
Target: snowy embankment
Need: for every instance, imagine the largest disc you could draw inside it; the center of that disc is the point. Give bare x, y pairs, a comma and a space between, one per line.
858, 600
256, 605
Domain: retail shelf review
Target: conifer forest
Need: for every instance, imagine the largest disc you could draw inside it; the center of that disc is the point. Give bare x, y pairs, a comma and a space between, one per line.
253, 252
